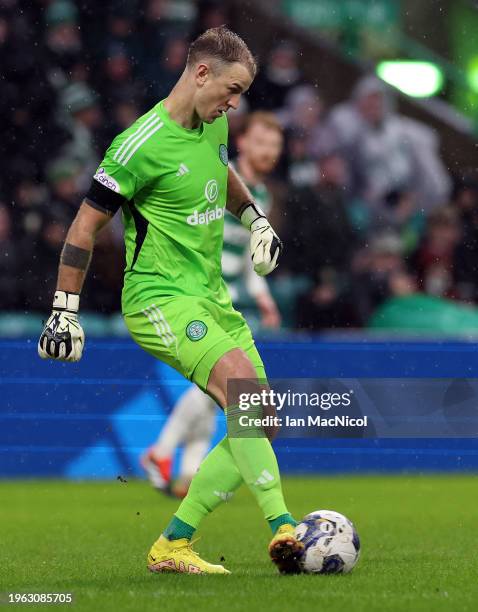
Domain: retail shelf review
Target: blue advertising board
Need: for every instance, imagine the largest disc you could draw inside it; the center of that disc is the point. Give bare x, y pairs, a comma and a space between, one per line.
94, 418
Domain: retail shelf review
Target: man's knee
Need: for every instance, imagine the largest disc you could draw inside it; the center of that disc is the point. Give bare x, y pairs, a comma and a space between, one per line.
231, 372
234, 378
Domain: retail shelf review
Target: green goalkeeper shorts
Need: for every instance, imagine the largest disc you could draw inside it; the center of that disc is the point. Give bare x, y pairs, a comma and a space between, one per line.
191, 334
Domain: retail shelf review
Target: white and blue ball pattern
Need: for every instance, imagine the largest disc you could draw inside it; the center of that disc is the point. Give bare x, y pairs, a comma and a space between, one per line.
331, 543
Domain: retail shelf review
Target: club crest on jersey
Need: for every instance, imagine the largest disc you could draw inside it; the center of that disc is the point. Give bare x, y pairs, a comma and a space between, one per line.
206, 217
223, 155
196, 330
106, 180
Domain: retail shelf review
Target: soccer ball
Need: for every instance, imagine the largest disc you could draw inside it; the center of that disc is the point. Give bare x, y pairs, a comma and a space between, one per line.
331, 543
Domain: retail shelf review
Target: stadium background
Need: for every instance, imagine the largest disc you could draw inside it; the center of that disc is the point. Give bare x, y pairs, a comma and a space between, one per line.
380, 224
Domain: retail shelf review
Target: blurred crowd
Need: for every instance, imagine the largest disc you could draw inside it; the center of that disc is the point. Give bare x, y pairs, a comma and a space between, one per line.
362, 199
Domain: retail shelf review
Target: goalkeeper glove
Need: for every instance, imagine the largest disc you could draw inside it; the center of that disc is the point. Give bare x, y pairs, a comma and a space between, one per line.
266, 245
62, 337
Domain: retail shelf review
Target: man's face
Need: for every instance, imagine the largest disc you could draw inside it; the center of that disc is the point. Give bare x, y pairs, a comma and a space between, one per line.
372, 107
220, 89
261, 145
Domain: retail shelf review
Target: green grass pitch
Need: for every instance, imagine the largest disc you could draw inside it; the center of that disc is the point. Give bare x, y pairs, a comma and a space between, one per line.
419, 546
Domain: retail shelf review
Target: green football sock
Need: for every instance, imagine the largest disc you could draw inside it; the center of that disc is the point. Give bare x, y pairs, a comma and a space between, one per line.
178, 529
256, 460
234, 460
257, 463
284, 519
214, 483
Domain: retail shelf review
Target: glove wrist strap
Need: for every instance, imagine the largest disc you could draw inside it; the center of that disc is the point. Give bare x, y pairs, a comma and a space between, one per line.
65, 301
250, 212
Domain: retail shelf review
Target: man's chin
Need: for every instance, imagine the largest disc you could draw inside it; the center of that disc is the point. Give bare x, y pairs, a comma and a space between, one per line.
264, 168
215, 115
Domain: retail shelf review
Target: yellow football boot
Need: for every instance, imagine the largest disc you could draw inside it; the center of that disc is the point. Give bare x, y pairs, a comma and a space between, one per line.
286, 550
178, 556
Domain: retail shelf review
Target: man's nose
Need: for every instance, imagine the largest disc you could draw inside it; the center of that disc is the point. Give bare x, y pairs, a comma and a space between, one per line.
233, 101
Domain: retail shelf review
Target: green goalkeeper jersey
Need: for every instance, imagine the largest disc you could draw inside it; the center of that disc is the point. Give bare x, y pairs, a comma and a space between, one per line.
175, 184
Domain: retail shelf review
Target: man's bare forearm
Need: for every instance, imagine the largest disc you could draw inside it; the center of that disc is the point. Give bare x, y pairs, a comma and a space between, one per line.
78, 248
238, 195
74, 260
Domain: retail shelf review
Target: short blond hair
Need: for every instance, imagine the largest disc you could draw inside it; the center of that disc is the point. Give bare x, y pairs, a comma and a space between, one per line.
222, 45
269, 120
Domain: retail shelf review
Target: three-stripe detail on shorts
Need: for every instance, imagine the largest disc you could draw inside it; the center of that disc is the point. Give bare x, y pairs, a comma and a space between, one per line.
137, 138
161, 326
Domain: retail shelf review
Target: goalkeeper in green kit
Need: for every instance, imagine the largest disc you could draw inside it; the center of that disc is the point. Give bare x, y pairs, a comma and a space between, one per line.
169, 174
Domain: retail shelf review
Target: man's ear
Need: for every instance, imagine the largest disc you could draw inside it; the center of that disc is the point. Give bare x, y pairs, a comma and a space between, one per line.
202, 73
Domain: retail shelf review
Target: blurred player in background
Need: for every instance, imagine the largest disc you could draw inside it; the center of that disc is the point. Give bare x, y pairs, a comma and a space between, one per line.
169, 174
193, 418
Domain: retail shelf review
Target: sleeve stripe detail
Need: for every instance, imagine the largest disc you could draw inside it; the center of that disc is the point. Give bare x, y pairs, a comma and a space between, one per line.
137, 146
134, 136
